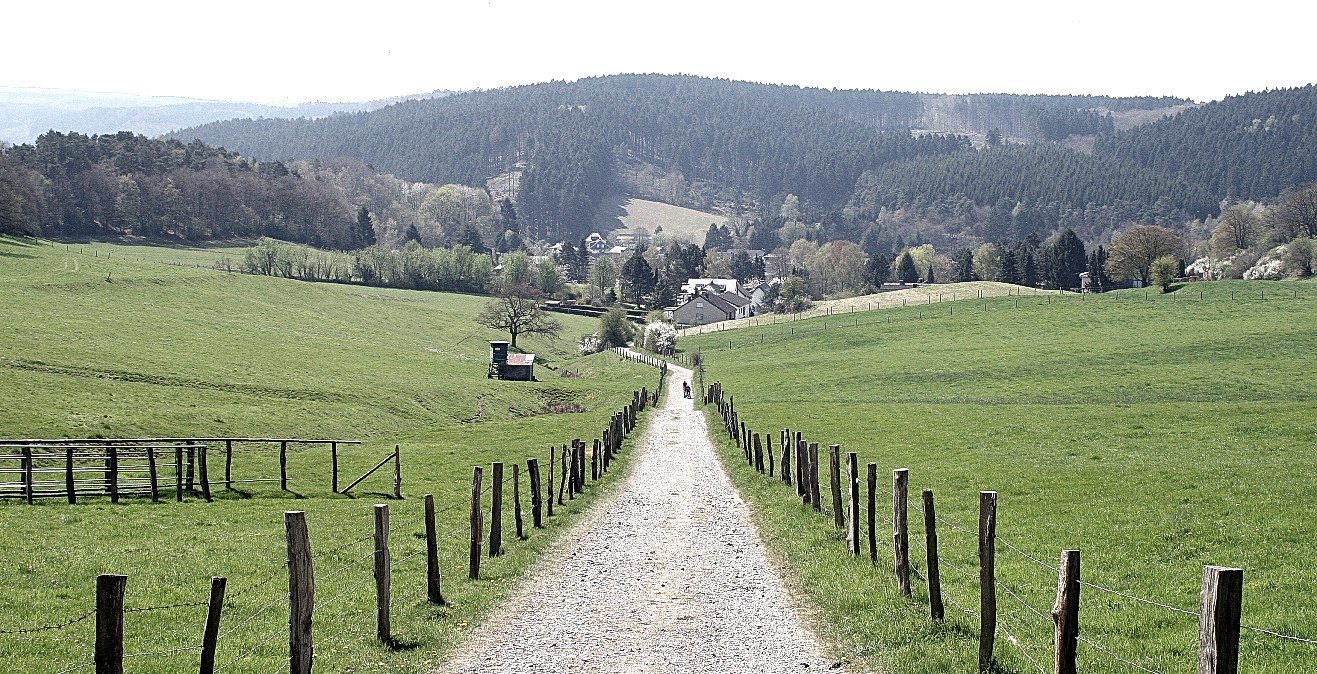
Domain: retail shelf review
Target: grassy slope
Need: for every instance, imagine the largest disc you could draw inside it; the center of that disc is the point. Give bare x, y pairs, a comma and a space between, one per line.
1156, 436
160, 350
678, 222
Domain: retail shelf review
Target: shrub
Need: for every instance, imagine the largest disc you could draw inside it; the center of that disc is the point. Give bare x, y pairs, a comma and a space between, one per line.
1162, 271
615, 329
661, 338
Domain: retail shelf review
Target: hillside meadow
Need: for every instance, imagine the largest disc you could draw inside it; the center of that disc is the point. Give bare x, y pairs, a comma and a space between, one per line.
97, 347
1155, 433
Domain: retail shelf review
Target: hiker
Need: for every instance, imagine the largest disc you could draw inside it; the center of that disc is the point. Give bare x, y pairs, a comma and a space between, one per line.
685, 389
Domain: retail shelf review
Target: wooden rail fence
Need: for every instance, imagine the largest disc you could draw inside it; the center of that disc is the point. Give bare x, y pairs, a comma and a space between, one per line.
1222, 588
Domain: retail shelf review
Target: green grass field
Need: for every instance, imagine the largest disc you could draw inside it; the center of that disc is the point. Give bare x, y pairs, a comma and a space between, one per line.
119, 347
643, 215
1157, 434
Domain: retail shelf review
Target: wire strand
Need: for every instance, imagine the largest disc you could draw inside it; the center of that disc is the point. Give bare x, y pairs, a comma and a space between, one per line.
1168, 607
1104, 649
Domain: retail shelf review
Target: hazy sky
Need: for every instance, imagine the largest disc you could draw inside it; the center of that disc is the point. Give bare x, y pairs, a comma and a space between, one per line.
287, 52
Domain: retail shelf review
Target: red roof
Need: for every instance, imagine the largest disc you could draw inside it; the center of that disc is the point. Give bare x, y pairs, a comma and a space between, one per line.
521, 359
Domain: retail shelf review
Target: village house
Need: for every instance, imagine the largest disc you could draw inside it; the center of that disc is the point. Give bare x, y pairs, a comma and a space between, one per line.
711, 306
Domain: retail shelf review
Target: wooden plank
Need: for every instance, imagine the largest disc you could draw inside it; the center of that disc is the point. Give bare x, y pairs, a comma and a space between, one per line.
1065, 613
900, 530
210, 636
834, 485
433, 579
496, 511
1218, 627
987, 577
383, 577
477, 525
367, 473
301, 592
108, 656
930, 547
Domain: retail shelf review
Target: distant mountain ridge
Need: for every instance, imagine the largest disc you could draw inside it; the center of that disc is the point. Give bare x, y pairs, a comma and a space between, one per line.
26, 113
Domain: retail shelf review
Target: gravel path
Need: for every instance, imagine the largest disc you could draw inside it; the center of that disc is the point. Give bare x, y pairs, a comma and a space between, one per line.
667, 574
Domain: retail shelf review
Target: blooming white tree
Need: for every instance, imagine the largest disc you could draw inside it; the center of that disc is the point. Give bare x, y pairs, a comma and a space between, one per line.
661, 337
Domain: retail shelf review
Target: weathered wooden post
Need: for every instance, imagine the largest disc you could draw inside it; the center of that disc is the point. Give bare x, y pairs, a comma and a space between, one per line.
871, 516
397, 472
930, 547
150, 467
228, 467
70, 485
594, 465
603, 455
553, 461
113, 453
204, 474
333, 466
768, 452
109, 623
786, 456
814, 477
562, 482
900, 530
178, 473
477, 525
834, 485
987, 577
383, 578
853, 503
1065, 612
536, 501
28, 490
433, 580
210, 636
516, 501
283, 465
1218, 626
301, 592
496, 512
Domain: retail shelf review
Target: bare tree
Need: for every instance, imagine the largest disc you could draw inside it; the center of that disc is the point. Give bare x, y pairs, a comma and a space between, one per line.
517, 310
1298, 211
1133, 250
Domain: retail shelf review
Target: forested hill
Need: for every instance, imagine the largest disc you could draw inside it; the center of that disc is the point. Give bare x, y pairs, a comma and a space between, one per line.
748, 144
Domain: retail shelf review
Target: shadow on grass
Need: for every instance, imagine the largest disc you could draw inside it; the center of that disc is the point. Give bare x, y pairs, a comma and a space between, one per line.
11, 242
397, 645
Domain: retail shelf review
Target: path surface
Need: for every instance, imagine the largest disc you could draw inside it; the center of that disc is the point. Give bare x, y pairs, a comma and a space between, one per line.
667, 574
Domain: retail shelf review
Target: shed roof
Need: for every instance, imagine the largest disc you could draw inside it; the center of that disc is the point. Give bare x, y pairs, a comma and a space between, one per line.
521, 359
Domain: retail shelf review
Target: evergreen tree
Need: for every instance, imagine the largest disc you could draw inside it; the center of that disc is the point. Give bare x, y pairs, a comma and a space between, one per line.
637, 276
1010, 265
905, 269
412, 234
364, 234
930, 274
963, 265
877, 270
1028, 267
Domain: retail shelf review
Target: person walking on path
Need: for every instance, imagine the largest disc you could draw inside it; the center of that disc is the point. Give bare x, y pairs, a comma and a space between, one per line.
666, 574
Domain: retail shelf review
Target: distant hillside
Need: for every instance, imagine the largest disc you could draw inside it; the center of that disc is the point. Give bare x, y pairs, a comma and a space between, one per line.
28, 113
737, 143
643, 215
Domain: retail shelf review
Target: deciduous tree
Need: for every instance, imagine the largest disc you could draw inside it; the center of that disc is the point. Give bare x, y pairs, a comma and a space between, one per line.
1133, 251
517, 310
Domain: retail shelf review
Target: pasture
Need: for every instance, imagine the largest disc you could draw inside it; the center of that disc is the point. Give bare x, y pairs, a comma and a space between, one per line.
1157, 434
124, 348
643, 215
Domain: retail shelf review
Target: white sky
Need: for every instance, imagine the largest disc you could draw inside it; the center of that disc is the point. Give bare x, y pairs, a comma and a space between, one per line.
294, 51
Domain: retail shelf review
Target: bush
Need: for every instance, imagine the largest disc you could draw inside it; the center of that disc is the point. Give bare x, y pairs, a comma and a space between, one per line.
1298, 257
661, 338
1162, 271
615, 329
589, 344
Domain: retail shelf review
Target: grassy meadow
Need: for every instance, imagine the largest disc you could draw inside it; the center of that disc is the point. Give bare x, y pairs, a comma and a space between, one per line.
121, 347
1156, 433
643, 215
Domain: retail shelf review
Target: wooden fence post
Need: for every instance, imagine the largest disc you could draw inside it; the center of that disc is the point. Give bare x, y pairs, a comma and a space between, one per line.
333, 466
178, 473
383, 578
568, 468
397, 472
71, 487
768, 452
191, 452
834, 484
786, 456
516, 501
853, 503
109, 623
210, 636
814, 477
900, 530
871, 487
204, 473
594, 465
28, 489
1065, 612
433, 587
283, 465
536, 501
228, 467
553, 461
987, 577
496, 511
301, 592
1218, 627
113, 453
477, 525
930, 547
150, 467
